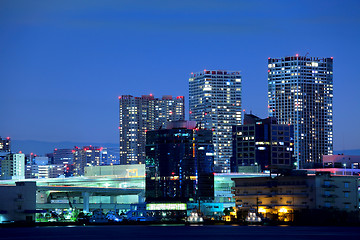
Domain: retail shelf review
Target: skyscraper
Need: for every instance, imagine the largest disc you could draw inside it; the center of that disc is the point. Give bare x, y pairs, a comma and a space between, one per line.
300, 92
179, 164
140, 114
215, 103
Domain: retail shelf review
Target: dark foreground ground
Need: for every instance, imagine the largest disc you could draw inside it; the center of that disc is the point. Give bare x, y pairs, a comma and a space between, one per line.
173, 232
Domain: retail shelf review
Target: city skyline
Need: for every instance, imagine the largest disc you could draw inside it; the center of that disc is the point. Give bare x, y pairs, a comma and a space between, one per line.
64, 65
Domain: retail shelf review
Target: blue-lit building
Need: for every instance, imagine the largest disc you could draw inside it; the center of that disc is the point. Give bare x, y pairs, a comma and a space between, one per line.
179, 163
262, 145
300, 93
110, 156
215, 103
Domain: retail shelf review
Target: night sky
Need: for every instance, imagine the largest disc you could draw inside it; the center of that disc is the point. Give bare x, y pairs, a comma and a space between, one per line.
63, 64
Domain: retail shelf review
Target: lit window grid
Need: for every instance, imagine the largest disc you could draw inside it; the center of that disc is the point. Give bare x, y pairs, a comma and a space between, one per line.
138, 115
301, 94
215, 103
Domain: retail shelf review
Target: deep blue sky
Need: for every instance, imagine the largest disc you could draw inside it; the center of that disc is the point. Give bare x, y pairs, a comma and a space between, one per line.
64, 63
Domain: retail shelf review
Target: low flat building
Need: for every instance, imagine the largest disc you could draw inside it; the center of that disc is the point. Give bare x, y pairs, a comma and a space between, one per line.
18, 202
283, 195
341, 161
44, 171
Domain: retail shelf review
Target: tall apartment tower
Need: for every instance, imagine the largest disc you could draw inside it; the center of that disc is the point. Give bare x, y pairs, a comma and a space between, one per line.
300, 93
13, 166
215, 103
140, 114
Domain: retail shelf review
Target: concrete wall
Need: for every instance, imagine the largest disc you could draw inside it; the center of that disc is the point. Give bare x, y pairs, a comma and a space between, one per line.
18, 203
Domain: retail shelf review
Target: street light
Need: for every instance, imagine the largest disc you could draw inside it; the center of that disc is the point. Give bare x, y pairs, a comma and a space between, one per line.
345, 168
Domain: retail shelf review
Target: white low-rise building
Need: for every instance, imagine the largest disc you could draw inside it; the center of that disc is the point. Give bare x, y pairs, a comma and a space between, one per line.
18, 202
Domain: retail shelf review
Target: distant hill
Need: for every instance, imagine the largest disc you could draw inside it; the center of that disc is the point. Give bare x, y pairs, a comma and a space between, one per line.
41, 148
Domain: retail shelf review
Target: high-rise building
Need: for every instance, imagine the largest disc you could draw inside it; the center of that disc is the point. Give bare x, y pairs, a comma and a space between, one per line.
300, 92
86, 156
13, 166
140, 114
215, 103
179, 164
262, 145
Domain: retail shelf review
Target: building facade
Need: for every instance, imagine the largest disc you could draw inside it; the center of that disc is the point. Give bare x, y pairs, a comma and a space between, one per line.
63, 156
262, 144
5, 148
5, 145
86, 156
179, 163
44, 171
140, 114
341, 161
13, 166
283, 195
215, 103
110, 156
19, 202
300, 93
